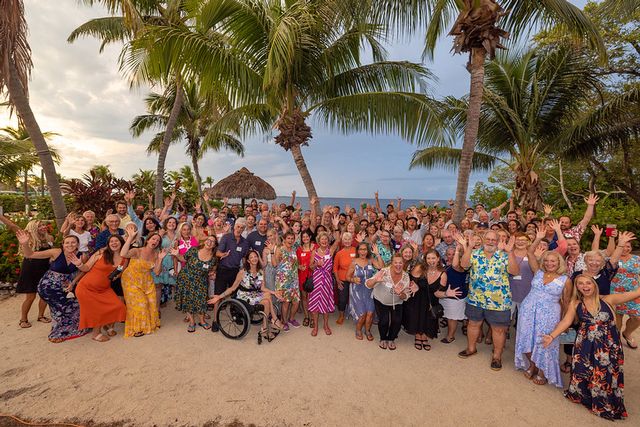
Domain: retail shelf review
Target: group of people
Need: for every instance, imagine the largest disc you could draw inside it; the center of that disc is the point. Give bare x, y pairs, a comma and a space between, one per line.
412, 269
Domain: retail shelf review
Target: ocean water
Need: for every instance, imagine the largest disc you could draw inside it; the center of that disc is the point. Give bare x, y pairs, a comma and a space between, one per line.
351, 202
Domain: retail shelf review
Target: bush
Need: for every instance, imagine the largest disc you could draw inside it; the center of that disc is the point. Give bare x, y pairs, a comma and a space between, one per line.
12, 202
9, 262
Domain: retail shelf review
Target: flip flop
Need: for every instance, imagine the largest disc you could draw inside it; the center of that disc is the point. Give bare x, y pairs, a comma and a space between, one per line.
383, 345
392, 345
24, 324
465, 353
359, 335
44, 319
191, 328
630, 342
205, 325
100, 338
369, 336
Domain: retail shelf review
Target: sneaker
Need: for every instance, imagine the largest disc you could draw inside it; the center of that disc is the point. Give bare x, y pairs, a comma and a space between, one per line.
294, 323
286, 327
214, 327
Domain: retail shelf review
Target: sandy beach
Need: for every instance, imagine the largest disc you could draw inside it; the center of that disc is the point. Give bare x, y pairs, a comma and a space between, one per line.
173, 378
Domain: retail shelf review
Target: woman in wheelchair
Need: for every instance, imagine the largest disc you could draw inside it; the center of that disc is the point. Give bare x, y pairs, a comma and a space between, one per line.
250, 287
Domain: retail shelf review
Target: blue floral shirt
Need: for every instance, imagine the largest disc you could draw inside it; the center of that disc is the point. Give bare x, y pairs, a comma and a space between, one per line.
489, 281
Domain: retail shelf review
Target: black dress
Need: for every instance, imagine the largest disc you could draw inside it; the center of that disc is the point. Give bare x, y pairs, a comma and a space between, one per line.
416, 311
31, 271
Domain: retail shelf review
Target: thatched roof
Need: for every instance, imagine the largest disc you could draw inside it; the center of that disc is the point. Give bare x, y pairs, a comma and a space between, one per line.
242, 185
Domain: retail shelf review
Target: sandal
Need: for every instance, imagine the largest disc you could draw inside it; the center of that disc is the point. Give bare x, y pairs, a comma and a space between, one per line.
369, 335
269, 336
111, 332
312, 324
630, 342
383, 345
191, 328
466, 353
24, 324
314, 332
359, 335
138, 334
44, 319
56, 340
496, 364
417, 343
425, 345
327, 330
100, 338
566, 367
392, 345
305, 322
531, 372
538, 380
447, 340
205, 325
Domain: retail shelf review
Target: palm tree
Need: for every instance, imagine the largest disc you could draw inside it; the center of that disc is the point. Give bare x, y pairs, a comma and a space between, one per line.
197, 124
530, 98
477, 32
21, 153
295, 59
125, 28
15, 68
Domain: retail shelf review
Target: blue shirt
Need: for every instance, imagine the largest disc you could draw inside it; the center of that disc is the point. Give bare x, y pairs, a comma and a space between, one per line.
238, 249
103, 238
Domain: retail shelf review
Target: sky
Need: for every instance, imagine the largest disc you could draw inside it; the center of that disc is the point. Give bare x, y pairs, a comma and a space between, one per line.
78, 93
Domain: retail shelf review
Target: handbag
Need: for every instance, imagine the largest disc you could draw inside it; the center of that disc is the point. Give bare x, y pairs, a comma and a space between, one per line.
308, 284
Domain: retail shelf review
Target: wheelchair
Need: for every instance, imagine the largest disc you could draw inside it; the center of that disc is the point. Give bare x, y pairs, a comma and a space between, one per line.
235, 317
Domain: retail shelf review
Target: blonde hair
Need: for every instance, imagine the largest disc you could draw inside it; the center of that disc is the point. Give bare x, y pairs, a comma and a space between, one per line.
578, 296
35, 239
590, 254
322, 234
562, 265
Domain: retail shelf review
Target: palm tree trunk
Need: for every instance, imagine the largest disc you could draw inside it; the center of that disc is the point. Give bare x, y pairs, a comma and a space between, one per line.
196, 173
164, 148
21, 102
42, 182
296, 152
476, 69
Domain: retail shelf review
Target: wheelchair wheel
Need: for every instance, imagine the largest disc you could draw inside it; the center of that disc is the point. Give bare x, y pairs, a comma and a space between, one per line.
256, 316
233, 319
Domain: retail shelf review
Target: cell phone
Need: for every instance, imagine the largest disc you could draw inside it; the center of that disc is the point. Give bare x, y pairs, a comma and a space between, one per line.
608, 231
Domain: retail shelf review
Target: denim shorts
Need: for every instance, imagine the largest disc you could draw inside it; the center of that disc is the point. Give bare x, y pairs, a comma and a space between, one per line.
493, 317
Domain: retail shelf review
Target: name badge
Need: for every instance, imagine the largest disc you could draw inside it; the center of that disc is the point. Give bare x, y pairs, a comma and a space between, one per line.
258, 243
328, 256
303, 254
239, 249
517, 277
205, 266
352, 255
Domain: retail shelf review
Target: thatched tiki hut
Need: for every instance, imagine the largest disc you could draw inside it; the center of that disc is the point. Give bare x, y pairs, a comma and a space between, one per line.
242, 185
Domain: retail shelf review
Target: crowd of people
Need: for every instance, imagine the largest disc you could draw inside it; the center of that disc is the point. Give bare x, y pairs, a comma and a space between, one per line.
411, 269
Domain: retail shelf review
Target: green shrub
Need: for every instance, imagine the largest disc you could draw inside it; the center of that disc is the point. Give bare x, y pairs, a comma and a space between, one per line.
12, 202
9, 260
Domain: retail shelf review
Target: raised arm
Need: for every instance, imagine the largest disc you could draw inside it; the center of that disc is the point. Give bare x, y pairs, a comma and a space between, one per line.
534, 264
375, 196
126, 251
465, 260
67, 225
588, 213
617, 299
513, 267
10, 224
293, 198
128, 198
623, 238
23, 239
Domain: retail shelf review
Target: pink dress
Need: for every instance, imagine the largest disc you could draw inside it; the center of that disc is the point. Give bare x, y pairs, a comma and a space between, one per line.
321, 298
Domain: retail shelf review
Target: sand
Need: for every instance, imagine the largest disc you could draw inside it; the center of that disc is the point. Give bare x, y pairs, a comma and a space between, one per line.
175, 378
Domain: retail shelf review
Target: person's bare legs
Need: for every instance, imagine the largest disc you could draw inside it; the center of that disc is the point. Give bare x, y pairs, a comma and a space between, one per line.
314, 330
359, 325
452, 326
42, 306
294, 309
26, 306
285, 312
304, 299
327, 329
499, 335
473, 332
629, 327
367, 323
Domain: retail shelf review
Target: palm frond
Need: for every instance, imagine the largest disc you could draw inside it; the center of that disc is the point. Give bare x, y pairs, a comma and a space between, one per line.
108, 30
449, 158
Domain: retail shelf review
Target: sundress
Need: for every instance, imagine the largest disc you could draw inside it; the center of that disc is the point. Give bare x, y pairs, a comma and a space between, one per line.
321, 298
99, 304
539, 314
140, 296
304, 258
385, 252
597, 379
166, 279
250, 289
416, 311
65, 312
627, 280
193, 283
287, 275
360, 299
31, 271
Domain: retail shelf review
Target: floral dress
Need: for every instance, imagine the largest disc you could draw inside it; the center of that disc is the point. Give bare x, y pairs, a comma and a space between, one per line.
140, 296
250, 289
597, 379
385, 253
360, 299
539, 314
287, 275
627, 280
167, 277
193, 283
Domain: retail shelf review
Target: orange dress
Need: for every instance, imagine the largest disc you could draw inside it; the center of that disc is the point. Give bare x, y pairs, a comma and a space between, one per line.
99, 305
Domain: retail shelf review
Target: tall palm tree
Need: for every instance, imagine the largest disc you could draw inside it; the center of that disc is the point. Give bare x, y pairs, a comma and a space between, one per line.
127, 22
21, 152
530, 99
479, 28
15, 69
197, 124
301, 58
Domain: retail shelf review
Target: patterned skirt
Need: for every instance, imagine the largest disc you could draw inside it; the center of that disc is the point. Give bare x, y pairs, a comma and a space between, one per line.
65, 312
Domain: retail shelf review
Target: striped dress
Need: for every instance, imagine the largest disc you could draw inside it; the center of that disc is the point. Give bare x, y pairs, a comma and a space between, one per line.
321, 298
